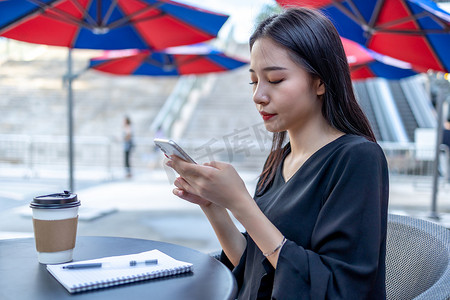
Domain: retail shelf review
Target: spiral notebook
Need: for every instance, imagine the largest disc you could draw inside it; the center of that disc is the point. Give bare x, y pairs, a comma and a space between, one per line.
116, 270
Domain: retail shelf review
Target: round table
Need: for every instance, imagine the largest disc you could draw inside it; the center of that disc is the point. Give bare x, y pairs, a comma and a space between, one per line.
23, 277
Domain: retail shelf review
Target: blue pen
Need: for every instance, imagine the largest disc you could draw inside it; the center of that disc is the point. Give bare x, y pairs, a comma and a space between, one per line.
132, 263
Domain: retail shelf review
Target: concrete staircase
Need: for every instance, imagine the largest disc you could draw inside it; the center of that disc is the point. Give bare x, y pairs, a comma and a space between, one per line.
33, 97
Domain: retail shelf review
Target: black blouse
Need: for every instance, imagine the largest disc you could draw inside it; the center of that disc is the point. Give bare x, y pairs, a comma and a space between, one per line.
333, 213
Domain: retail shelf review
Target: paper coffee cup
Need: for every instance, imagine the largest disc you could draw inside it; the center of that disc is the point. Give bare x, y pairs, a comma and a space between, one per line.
55, 220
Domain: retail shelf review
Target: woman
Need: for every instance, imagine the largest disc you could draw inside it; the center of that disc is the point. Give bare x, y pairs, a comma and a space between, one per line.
127, 144
316, 228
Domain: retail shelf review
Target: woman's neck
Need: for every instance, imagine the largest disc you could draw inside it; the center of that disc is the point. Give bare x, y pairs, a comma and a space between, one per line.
307, 141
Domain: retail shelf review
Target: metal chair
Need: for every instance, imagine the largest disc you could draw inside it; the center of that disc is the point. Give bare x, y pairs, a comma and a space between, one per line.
417, 259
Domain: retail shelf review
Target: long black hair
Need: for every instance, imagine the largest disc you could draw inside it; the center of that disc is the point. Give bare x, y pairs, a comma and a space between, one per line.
313, 42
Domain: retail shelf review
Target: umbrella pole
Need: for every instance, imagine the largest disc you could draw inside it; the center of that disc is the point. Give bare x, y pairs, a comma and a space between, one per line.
439, 128
70, 117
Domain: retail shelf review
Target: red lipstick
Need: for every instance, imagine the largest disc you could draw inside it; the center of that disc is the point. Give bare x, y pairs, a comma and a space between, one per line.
266, 116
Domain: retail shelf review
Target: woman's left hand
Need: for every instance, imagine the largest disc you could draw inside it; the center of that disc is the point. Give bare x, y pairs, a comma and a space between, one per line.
217, 182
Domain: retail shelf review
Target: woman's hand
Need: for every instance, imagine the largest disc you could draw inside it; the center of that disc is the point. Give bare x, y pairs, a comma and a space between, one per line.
220, 185
216, 182
180, 192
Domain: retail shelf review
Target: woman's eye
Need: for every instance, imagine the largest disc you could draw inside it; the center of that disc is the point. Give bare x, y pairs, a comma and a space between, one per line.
275, 81
269, 81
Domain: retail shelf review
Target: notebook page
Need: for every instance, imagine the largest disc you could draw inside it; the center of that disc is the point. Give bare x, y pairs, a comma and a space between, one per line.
116, 270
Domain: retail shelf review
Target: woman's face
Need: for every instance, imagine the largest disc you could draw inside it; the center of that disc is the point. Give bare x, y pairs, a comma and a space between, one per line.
286, 96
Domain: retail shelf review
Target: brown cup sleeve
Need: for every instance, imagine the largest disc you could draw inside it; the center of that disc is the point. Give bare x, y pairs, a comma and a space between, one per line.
55, 235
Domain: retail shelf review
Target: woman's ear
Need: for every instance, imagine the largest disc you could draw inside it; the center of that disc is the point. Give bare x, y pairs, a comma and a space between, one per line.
320, 87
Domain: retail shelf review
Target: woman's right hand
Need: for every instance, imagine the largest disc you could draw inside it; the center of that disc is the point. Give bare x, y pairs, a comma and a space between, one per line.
180, 192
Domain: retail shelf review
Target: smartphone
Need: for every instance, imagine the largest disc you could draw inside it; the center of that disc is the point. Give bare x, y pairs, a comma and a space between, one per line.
169, 147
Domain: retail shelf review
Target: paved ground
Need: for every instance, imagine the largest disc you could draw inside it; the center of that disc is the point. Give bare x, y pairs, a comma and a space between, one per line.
144, 207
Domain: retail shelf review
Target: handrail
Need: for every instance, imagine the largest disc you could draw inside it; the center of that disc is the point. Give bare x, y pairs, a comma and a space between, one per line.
386, 110
419, 102
171, 109
378, 112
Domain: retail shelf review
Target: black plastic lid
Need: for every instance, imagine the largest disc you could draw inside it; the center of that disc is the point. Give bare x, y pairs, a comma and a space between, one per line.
61, 200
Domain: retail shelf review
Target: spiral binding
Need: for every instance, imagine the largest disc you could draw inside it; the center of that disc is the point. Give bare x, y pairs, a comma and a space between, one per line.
129, 279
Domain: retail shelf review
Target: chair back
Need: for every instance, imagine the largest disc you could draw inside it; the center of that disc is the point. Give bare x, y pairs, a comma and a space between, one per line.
417, 259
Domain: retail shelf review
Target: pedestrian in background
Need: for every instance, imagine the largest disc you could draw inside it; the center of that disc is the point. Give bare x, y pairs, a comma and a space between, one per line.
127, 144
316, 226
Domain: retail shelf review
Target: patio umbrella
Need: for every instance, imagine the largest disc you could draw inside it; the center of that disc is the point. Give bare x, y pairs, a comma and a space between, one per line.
108, 25
415, 31
365, 63
174, 61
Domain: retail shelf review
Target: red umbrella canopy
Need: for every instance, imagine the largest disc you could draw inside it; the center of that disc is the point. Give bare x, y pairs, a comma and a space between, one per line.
108, 24
174, 61
415, 31
365, 63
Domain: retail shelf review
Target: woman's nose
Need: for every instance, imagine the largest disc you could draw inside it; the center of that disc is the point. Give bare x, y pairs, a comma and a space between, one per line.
260, 95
